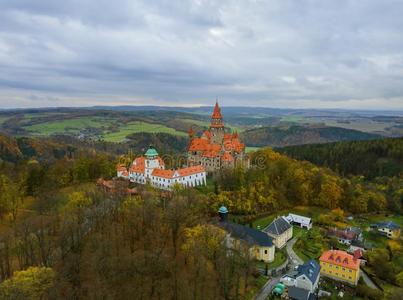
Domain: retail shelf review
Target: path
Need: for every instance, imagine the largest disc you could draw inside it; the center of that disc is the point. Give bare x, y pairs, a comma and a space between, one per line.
368, 280
294, 259
267, 288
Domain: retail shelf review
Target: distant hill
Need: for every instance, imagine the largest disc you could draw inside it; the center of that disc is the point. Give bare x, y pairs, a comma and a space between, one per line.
15, 149
369, 158
279, 136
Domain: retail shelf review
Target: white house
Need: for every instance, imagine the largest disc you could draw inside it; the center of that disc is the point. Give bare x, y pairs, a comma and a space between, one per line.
301, 221
305, 277
151, 169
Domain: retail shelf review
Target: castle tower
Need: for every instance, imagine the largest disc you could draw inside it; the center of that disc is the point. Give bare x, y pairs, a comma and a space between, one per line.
217, 126
191, 133
151, 161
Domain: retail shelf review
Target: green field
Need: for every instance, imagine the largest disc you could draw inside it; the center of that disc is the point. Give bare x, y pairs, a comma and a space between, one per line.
292, 119
134, 127
251, 149
3, 118
70, 125
197, 122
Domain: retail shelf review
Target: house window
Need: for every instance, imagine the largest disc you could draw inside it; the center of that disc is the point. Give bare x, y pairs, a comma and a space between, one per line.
265, 251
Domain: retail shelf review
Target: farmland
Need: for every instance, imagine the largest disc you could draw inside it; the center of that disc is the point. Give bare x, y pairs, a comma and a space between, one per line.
134, 127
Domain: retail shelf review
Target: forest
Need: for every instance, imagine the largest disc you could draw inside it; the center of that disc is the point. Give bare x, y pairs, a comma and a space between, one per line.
368, 158
64, 237
286, 135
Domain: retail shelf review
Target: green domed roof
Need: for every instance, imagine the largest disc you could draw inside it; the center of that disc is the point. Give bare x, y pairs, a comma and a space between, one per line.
151, 152
223, 210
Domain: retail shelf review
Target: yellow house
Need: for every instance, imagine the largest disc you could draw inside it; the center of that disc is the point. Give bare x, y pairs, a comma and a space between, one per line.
280, 230
340, 265
264, 253
260, 244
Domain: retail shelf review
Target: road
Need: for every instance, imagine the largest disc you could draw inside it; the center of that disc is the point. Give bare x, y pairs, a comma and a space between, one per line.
368, 280
294, 259
267, 288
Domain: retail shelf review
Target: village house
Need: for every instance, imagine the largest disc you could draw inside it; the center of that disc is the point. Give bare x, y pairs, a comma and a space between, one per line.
260, 245
301, 221
346, 236
340, 265
151, 169
280, 230
389, 229
296, 293
215, 148
306, 276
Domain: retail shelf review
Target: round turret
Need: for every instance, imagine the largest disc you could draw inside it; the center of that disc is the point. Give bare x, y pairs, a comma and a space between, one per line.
151, 153
223, 213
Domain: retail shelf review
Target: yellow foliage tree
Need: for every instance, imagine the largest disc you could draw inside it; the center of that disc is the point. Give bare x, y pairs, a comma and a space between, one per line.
31, 284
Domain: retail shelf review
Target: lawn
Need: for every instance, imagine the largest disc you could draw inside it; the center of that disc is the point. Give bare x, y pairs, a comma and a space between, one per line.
261, 223
279, 258
308, 211
137, 126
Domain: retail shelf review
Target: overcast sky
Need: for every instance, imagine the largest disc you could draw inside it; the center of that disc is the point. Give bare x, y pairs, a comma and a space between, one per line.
297, 54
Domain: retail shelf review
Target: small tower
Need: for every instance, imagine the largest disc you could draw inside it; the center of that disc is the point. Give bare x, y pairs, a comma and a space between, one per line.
191, 133
151, 161
223, 213
217, 125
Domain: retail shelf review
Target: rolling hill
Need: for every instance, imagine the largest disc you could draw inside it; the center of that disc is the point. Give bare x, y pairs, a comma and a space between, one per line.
369, 158
279, 136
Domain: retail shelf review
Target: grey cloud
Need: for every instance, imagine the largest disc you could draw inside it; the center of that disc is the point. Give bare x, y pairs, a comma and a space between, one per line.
271, 53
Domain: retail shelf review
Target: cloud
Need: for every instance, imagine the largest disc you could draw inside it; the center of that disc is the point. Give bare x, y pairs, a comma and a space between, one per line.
266, 53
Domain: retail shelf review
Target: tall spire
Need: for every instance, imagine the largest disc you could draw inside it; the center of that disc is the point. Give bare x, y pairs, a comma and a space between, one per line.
216, 117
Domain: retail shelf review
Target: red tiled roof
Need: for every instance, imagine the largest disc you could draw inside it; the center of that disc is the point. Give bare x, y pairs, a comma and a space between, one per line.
227, 136
227, 156
357, 253
121, 168
210, 153
138, 165
344, 234
163, 173
161, 161
198, 144
190, 170
207, 133
340, 258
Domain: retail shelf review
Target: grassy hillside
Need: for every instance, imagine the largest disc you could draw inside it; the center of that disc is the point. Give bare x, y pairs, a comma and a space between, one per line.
369, 158
296, 135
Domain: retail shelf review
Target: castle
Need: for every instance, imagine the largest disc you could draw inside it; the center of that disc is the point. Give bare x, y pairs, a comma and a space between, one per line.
151, 169
216, 149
